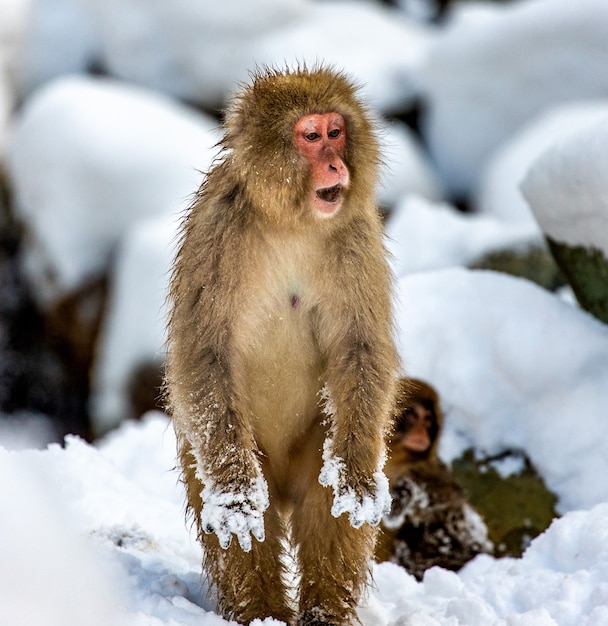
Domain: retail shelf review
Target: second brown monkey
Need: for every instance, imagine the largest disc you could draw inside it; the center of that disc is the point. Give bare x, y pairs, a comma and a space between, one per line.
430, 522
281, 366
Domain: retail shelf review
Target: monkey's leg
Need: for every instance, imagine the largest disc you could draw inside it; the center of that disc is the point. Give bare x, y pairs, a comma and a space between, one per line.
334, 560
250, 584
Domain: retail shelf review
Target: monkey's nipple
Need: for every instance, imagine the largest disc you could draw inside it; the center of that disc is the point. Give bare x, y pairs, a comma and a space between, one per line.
330, 194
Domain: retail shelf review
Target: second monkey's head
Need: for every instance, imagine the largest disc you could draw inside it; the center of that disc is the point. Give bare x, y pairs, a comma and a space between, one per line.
418, 422
304, 145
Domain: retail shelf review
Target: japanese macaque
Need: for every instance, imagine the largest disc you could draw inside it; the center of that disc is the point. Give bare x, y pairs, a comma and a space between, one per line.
281, 368
430, 522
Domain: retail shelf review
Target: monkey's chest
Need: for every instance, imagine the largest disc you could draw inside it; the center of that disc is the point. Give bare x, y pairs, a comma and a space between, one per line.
283, 367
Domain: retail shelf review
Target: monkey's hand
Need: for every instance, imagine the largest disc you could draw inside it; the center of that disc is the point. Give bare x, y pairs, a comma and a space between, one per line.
409, 501
364, 501
239, 511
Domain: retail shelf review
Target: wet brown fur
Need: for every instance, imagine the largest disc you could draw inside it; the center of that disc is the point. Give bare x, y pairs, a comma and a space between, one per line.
245, 366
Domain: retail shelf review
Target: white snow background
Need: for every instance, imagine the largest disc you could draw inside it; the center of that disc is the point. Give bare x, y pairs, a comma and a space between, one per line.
102, 167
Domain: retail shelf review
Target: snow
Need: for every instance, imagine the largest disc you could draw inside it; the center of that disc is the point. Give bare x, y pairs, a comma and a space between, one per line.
369, 507
379, 47
51, 575
516, 368
360, 508
133, 332
101, 169
495, 66
234, 513
105, 534
424, 235
191, 50
567, 187
407, 168
98, 155
499, 192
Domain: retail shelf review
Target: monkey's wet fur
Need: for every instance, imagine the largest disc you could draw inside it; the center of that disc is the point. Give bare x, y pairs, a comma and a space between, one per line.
281, 367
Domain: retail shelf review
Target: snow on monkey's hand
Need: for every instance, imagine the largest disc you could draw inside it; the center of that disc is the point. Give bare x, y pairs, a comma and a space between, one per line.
363, 504
239, 512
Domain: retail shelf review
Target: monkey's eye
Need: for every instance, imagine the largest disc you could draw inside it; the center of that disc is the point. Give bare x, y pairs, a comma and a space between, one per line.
406, 421
334, 133
312, 136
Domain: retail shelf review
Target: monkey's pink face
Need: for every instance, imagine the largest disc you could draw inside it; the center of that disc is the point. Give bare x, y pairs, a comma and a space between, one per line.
321, 139
414, 429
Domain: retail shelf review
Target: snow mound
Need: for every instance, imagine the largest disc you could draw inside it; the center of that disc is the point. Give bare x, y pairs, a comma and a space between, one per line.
422, 235
568, 189
134, 330
88, 157
496, 66
499, 193
107, 523
516, 368
379, 47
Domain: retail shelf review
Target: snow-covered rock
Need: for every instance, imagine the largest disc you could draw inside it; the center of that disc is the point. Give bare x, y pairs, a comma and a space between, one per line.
189, 49
496, 66
422, 235
87, 158
134, 328
407, 169
567, 188
499, 192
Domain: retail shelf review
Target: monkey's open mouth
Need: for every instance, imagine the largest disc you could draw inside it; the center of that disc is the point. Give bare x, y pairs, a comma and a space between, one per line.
330, 194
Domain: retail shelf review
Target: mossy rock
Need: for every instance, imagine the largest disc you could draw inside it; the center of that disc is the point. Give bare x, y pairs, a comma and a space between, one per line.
534, 263
515, 508
586, 269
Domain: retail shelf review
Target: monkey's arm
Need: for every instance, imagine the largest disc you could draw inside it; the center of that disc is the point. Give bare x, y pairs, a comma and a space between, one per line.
225, 478
226, 488
360, 386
